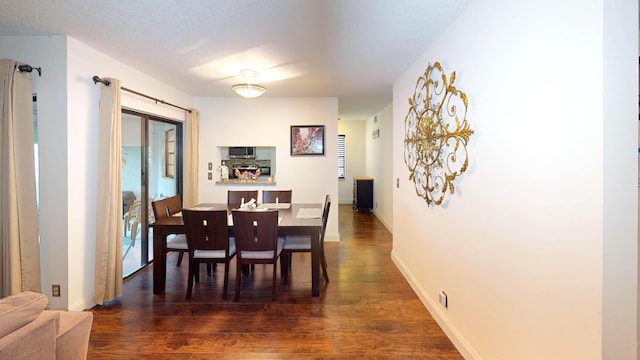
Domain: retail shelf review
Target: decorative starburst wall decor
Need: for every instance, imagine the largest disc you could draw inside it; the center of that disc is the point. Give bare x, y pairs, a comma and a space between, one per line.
436, 135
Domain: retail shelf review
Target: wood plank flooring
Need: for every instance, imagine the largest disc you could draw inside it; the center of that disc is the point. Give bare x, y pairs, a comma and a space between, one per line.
366, 311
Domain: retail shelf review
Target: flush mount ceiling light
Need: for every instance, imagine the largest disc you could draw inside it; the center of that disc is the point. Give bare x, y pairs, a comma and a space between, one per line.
249, 89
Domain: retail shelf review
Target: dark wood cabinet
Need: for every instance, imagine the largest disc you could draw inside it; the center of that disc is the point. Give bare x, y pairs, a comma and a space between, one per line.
363, 193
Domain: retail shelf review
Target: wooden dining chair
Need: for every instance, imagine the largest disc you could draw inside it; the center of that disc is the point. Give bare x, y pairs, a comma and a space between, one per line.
300, 243
174, 205
165, 208
270, 196
209, 243
257, 242
235, 197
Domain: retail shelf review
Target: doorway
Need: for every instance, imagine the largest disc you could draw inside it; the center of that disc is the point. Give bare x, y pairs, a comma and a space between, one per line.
151, 163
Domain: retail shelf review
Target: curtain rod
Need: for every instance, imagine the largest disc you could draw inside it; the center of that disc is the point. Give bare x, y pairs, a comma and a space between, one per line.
96, 79
28, 68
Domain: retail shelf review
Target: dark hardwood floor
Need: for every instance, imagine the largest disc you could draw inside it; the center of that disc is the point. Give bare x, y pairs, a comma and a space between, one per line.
366, 311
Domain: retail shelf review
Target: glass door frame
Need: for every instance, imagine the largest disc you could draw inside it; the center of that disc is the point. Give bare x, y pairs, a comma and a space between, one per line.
144, 176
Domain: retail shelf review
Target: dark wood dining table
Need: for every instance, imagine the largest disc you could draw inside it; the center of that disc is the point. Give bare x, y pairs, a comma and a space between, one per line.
289, 225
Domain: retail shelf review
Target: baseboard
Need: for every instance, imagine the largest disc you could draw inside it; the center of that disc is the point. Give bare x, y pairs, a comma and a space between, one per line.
452, 333
83, 304
383, 221
332, 237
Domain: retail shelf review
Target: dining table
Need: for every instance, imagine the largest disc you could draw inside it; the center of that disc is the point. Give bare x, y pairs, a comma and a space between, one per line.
293, 219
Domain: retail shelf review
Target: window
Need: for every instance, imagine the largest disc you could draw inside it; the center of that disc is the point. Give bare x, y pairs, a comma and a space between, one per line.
341, 158
170, 154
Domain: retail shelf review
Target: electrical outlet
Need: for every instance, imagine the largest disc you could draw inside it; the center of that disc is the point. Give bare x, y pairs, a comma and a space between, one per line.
55, 290
442, 297
210, 176
210, 166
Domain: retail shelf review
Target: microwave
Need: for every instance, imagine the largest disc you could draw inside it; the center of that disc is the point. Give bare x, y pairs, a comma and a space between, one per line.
242, 152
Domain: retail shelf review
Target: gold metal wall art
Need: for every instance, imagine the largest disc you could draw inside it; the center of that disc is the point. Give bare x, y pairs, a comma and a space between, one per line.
436, 135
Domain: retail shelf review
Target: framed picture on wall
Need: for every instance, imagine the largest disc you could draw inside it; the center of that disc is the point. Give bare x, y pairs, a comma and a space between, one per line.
307, 140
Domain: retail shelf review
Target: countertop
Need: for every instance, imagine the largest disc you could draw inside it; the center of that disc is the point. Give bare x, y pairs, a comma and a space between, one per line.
245, 181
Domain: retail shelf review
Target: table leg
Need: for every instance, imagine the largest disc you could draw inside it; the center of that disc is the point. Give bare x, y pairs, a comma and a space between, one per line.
159, 260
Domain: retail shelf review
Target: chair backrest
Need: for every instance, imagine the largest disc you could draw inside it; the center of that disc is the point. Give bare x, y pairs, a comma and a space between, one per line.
174, 205
166, 207
234, 197
255, 230
206, 229
270, 196
325, 213
135, 210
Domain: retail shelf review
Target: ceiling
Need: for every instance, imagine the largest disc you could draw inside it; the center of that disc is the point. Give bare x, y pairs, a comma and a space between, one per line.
350, 49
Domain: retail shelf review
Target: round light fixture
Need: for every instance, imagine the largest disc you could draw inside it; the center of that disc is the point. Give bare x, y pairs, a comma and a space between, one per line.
249, 89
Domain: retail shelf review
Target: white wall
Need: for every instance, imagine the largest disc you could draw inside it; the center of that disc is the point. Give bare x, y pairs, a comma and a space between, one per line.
379, 163
620, 248
83, 63
366, 156
49, 53
355, 155
68, 122
519, 247
266, 122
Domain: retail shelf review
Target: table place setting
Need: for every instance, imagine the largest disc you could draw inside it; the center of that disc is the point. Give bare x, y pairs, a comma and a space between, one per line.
276, 206
230, 220
309, 213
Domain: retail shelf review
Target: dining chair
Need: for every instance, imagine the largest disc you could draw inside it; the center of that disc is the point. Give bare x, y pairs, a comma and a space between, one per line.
273, 196
257, 242
174, 205
235, 197
209, 243
132, 220
165, 208
302, 243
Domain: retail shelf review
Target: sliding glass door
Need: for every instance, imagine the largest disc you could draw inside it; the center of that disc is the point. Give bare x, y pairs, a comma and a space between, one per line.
151, 163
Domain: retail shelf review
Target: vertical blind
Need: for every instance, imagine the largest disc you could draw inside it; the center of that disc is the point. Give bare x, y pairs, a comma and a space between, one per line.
341, 157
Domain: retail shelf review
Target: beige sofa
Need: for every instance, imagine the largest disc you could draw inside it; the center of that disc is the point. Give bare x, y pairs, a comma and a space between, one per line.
28, 331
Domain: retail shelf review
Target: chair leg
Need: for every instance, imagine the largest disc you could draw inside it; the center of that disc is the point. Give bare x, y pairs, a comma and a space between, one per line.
210, 268
238, 277
323, 261
226, 280
246, 270
190, 279
273, 291
180, 258
134, 232
284, 268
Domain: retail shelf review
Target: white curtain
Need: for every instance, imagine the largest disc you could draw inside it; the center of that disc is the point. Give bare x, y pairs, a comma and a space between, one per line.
108, 272
191, 159
19, 248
